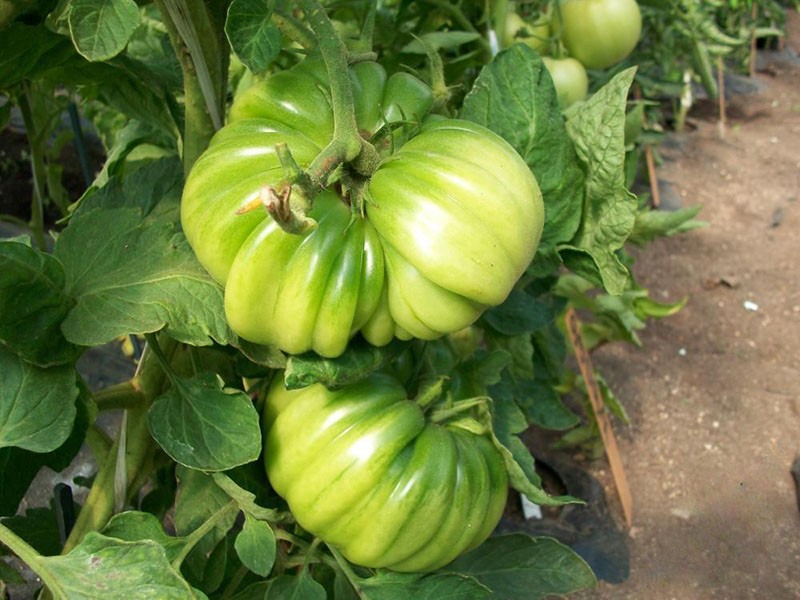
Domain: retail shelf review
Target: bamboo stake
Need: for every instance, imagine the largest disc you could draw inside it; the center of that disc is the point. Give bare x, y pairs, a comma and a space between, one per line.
723, 117
655, 193
603, 422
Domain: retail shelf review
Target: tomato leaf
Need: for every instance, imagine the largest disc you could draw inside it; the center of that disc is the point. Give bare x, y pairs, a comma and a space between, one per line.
597, 128
203, 425
39, 528
398, 586
256, 546
514, 97
505, 420
301, 587
254, 39
198, 498
440, 40
134, 526
28, 51
37, 406
542, 406
33, 304
100, 29
101, 567
651, 224
18, 467
244, 498
133, 266
522, 312
358, 361
518, 566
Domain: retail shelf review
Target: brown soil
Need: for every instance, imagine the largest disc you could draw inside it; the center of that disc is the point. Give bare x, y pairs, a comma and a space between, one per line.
714, 394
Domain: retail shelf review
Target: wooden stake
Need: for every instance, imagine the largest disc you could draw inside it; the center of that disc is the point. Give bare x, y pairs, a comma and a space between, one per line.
655, 194
723, 118
752, 64
603, 422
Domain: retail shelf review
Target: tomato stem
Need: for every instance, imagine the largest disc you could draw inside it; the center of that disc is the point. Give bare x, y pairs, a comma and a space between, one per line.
204, 67
121, 395
99, 505
294, 30
458, 408
347, 144
198, 534
345, 567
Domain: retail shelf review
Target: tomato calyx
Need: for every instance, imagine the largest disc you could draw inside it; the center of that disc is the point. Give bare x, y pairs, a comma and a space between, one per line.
450, 411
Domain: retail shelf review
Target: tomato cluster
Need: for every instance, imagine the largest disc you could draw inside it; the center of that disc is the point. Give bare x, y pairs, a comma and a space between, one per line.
452, 217
446, 224
595, 33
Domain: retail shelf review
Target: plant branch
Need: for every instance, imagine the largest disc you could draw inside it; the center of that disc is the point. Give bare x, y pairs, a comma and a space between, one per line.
294, 30
139, 450
198, 534
27, 554
121, 395
203, 65
347, 144
37, 168
345, 567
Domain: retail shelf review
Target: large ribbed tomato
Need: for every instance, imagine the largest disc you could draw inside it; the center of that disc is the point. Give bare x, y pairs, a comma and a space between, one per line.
452, 217
361, 468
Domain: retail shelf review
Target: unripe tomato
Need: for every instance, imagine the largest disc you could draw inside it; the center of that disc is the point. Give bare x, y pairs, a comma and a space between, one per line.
452, 218
599, 33
569, 79
362, 469
535, 34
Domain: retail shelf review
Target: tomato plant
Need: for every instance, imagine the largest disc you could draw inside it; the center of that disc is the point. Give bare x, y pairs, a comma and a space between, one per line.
599, 33
338, 239
362, 468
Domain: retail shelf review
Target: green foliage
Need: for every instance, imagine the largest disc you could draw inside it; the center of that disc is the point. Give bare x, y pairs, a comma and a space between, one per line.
152, 79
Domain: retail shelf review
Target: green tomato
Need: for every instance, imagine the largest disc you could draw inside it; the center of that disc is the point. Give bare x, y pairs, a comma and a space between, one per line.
536, 34
362, 469
569, 79
599, 33
452, 217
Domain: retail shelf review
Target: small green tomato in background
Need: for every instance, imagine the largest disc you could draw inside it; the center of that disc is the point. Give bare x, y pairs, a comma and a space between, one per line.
599, 33
363, 469
535, 34
569, 78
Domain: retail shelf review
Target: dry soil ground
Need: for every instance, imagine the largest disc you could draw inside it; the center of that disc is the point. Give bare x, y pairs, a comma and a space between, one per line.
714, 395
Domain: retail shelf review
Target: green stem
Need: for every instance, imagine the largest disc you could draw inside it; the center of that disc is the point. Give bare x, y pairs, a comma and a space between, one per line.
139, 450
235, 582
31, 558
37, 168
204, 66
342, 563
198, 534
347, 144
161, 358
282, 534
16, 221
121, 395
294, 30
98, 441
459, 407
